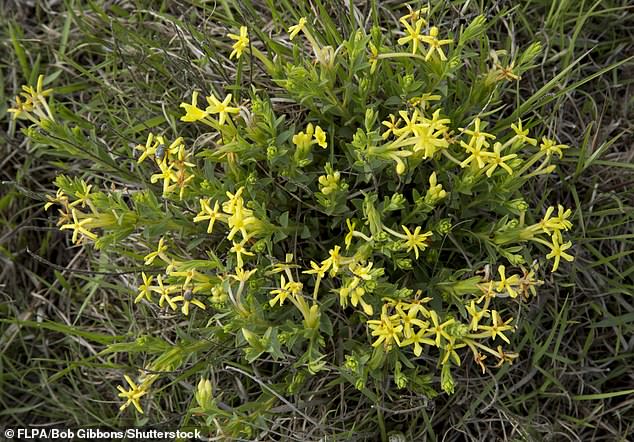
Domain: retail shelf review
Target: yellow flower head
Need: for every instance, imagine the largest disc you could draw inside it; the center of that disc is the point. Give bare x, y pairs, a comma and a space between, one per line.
388, 329
78, 227
416, 241
549, 146
221, 108
160, 252
145, 289
132, 395
435, 44
193, 112
412, 34
296, 29
187, 298
495, 159
208, 214
521, 134
167, 175
320, 137
557, 252
242, 42
21, 107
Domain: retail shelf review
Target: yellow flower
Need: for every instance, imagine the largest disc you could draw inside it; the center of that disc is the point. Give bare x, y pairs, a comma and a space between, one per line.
221, 108
416, 241
507, 284
39, 93
165, 292
60, 198
296, 29
167, 175
488, 292
240, 220
148, 149
495, 159
187, 299
434, 43
348, 239
411, 123
239, 250
428, 140
522, 134
132, 395
560, 222
417, 305
193, 112
410, 319
450, 353
304, 140
31, 103
498, 327
412, 34
545, 224
477, 154
242, 275
333, 261
418, 338
549, 146
392, 125
282, 293
557, 252
438, 328
83, 195
478, 137
476, 315
316, 269
242, 42
160, 252
21, 107
145, 289
207, 213
235, 200
320, 137
78, 227
356, 298
387, 329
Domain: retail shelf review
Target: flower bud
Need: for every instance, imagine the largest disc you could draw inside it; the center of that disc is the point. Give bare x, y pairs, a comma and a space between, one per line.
271, 152
203, 394
370, 118
444, 226
404, 263
351, 363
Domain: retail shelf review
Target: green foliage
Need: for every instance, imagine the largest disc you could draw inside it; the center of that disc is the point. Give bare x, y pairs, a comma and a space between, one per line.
270, 211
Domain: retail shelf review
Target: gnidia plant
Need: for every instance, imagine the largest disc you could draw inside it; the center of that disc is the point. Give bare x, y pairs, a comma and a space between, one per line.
364, 223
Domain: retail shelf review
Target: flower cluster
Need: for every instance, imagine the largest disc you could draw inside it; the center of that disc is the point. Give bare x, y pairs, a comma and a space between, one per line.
215, 107
32, 103
370, 213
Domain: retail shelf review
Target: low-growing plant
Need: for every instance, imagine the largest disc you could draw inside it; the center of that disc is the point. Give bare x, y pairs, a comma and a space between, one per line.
363, 225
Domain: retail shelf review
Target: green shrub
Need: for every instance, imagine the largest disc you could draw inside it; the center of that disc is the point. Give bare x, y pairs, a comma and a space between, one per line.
364, 225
